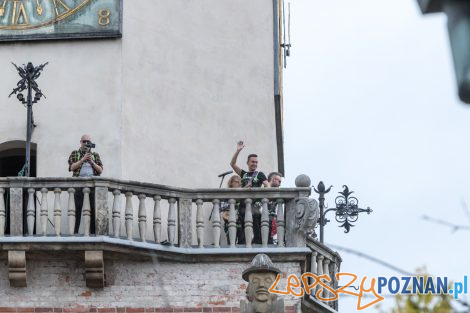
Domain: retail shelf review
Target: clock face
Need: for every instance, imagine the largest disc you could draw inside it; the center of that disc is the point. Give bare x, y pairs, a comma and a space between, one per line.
31, 14
59, 19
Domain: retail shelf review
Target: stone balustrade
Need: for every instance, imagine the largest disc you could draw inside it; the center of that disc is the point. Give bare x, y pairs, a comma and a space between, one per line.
138, 220
323, 260
144, 212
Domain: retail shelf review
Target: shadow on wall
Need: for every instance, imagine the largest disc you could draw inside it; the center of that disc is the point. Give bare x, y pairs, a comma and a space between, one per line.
12, 160
13, 156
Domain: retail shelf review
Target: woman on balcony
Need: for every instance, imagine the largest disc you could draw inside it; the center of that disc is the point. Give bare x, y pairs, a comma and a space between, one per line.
233, 182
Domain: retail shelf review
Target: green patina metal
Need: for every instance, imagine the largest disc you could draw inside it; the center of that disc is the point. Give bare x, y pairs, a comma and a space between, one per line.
59, 19
458, 16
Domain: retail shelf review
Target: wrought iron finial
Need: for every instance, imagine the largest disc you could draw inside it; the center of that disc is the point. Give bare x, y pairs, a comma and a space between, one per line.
346, 208
28, 73
321, 188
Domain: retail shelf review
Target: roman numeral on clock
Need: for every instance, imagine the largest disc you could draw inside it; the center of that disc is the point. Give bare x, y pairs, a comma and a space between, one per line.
19, 16
2, 8
60, 7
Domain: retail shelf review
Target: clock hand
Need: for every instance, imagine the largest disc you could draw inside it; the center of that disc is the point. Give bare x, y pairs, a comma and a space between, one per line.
39, 7
2, 9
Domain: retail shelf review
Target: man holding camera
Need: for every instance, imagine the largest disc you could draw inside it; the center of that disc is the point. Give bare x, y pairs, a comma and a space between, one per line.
85, 163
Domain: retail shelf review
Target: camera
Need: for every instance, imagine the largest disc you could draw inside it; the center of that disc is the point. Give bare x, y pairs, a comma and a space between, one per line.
89, 145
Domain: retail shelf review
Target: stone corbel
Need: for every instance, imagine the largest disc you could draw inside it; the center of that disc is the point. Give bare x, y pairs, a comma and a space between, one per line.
17, 268
94, 269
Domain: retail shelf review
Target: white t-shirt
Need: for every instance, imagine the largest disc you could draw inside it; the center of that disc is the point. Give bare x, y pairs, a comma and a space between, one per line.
86, 170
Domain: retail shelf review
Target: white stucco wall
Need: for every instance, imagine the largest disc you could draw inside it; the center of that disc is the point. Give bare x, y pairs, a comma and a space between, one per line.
166, 103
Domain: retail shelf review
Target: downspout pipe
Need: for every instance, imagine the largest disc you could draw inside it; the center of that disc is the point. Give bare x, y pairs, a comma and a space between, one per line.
277, 89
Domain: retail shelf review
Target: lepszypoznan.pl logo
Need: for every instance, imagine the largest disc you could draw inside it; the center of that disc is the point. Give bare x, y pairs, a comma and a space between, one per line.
405, 285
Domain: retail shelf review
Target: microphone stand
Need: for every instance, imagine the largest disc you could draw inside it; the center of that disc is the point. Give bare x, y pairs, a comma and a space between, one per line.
222, 176
222, 179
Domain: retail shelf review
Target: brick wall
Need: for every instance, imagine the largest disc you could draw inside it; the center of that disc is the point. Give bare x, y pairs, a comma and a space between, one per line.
289, 309
57, 284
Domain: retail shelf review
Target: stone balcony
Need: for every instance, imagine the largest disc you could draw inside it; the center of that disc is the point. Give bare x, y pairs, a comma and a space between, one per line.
142, 220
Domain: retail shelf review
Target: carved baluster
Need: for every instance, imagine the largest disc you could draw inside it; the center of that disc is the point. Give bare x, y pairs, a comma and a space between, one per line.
116, 212
334, 285
313, 268
216, 222
248, 223
157, 219
86, 211
44, 208
264, 223
281, 223
334, 281
2, 212
200, 223
57, 211
172, 221
232, 223
326, 262
71, 212
319, 270
129, 215
142, 217
31, 212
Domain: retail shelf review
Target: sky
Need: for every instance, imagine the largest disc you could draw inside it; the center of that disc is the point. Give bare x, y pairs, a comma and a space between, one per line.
370, 101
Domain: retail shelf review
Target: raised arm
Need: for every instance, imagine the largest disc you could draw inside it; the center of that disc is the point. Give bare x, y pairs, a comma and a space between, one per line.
233, 162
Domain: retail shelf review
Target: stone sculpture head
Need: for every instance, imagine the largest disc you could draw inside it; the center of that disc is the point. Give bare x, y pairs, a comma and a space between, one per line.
260, 276
258, 287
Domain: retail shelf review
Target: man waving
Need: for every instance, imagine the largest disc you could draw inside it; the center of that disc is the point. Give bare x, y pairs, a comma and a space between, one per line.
252, 178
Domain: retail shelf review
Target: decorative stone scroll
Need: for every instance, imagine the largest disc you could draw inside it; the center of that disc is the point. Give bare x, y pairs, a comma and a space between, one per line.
17, 268
94, 269
307, 214
302, 216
